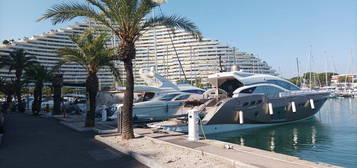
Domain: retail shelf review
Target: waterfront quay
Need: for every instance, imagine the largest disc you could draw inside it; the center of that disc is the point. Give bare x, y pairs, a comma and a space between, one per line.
172, 149
49, 141
36, 142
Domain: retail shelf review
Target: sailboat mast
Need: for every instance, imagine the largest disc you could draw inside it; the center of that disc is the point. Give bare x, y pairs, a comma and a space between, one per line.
298, 71
326, 82
310, 78
155, 42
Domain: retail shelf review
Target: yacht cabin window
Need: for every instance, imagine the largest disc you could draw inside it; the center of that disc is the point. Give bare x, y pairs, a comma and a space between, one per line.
269, 91
168, 97
183, 97
194, 91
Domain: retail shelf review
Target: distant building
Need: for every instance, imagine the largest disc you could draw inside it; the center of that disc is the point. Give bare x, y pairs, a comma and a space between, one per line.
340, 80
198, 58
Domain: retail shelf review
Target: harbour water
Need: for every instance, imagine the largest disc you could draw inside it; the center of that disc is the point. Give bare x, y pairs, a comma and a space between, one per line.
330, 137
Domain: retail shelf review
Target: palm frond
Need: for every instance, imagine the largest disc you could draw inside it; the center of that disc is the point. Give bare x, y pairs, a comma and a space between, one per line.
18, 60
144, 8
62, 12
116, 72
173, 22
72, 55
91, 52
38, 73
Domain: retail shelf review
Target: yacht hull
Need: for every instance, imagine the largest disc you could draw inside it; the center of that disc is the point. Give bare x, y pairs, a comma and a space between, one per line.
257, 109
220, 128
256, 113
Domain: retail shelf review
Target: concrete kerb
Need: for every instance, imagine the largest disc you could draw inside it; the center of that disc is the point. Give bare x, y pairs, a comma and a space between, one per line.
277, 156
100, 131
137, 156
1, 135
236, 163
2, 121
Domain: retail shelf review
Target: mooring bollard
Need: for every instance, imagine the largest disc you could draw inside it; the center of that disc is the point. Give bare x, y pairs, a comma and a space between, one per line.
119, 118
104, 115
193, 125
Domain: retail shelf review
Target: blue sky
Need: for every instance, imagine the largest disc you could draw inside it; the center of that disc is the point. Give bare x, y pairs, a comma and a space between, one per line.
277, 30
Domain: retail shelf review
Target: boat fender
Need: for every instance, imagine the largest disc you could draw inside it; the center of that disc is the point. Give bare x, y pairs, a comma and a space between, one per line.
293, 107
241, 119
270, 106
312, 104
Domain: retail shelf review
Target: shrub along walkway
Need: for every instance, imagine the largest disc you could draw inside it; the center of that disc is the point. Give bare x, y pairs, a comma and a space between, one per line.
35, 142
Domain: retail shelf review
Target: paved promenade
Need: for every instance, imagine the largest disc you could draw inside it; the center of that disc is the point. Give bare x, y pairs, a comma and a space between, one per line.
35, 142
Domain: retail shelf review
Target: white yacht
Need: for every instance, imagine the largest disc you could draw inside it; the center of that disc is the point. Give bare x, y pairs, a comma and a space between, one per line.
157, 86
240, 100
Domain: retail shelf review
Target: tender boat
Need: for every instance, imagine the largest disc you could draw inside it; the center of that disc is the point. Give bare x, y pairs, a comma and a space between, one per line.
240, 100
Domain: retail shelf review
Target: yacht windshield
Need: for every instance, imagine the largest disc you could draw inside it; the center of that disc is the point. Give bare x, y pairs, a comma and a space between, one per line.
230, 86
284, 84
281, 83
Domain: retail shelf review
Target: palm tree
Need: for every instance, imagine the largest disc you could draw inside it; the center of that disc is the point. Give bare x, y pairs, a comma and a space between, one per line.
18, 60
7, 87
38, 75
127, 20
92, 54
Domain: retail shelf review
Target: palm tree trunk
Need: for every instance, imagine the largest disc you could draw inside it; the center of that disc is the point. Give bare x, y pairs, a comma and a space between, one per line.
57, 83
18, 74
18, 97
127, 113
36, 107
92, 90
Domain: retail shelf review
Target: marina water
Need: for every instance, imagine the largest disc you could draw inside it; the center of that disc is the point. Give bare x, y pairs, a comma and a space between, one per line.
330, 137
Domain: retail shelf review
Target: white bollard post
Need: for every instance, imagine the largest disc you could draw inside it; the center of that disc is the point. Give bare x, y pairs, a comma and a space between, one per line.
193, 125
104, 115
241, 119
312, 104
293, 107
270, 105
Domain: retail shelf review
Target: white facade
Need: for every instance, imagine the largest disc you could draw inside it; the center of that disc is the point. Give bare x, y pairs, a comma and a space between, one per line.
44, 47
198, 58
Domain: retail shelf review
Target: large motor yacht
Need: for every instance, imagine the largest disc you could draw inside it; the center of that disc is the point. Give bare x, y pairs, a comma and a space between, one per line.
240, 100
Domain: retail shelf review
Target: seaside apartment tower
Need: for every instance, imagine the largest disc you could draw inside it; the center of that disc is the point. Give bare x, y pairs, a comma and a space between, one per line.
158, 48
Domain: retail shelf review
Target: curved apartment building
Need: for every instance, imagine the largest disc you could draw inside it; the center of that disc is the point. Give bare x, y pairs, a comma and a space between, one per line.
44, 47
158, 48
